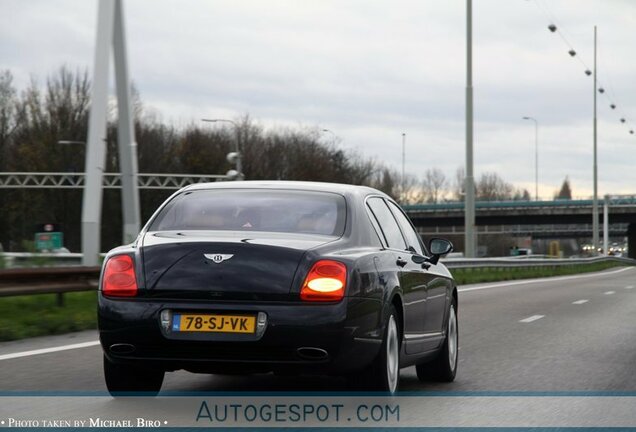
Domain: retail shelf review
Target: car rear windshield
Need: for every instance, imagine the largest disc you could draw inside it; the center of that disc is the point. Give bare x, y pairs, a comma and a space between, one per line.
287, 211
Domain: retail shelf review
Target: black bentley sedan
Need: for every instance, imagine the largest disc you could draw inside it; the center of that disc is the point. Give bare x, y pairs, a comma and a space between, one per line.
287, 277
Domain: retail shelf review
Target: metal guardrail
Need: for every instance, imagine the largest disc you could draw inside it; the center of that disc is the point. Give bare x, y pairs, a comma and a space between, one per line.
60, 280
457, 263
44, 259
48, 280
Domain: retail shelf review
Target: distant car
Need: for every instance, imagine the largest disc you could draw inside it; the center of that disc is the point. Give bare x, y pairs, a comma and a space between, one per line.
289, 277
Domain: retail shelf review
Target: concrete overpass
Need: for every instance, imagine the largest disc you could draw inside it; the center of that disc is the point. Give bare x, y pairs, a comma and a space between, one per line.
545, 219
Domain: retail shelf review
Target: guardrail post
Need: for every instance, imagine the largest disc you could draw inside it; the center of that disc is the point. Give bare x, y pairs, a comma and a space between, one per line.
59, 299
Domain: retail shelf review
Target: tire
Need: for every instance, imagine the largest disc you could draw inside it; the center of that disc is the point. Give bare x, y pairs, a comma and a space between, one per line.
124, 378
383, 374
444, 367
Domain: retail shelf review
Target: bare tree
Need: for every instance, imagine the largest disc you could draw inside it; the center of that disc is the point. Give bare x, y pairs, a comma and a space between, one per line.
361, 169
458, 184
413, 192
8, 120
386, 181
521, 195
491, 187
8, 123
434, 184
42, 116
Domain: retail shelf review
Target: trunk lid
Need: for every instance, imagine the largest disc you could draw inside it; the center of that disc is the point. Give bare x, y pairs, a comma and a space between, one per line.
224, 265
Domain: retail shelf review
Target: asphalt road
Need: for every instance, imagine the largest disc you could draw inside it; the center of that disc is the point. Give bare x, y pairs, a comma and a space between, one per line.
576, 333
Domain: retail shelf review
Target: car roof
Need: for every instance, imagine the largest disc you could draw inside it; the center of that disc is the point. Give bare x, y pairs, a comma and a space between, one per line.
343, 189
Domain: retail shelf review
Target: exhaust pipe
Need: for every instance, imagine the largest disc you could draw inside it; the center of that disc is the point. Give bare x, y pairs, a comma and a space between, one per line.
122, 348
312, 353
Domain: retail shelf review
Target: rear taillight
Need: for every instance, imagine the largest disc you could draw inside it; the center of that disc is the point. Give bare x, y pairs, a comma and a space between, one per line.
119, 277
326, 281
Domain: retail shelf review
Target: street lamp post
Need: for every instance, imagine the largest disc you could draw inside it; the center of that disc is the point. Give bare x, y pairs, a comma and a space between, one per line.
469, 212
595, 240
402, 186
536, 156
606, 225
239, 164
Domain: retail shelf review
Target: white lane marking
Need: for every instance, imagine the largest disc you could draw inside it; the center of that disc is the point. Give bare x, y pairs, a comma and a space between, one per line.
542, 280
580, 301
629, 287
532, 318
609, 292
48, 350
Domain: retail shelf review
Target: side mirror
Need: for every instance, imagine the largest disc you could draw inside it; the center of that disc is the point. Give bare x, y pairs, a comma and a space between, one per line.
439, 247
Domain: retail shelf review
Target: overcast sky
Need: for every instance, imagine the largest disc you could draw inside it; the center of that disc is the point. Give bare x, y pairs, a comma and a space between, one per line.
371, 70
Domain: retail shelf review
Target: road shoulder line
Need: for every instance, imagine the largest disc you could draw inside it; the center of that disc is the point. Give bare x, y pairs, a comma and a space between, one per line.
48, 350
541, 280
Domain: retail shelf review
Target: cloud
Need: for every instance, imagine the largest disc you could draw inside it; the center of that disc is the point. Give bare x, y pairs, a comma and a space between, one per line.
370, 71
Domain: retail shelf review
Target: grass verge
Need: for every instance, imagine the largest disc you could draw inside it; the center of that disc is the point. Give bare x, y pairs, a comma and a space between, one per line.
495, 274
38, 315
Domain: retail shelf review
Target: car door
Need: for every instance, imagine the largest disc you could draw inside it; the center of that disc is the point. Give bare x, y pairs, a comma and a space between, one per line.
436, 290
437, 299
412, 277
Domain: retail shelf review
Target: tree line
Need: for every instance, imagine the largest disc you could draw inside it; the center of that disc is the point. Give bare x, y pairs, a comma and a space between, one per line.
34, 120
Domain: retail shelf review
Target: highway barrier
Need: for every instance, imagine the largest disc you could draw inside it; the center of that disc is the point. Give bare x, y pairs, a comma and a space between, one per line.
480, 263
40, 259
48, 280
60, 280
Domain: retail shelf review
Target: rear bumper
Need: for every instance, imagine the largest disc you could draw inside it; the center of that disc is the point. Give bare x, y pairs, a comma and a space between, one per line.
348, 332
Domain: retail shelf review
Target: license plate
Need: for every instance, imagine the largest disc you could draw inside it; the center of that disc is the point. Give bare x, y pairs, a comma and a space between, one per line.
214, 323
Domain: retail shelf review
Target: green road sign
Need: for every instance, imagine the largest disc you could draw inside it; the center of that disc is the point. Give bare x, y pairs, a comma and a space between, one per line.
49, 240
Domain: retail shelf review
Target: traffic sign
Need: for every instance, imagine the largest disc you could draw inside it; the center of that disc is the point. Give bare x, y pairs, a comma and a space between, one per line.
49, 241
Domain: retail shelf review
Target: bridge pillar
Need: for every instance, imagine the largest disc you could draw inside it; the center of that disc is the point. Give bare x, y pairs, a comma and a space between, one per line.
631, 240
96, 146
110, 34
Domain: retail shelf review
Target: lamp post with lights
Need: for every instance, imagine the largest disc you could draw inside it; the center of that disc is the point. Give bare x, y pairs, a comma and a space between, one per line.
234, 157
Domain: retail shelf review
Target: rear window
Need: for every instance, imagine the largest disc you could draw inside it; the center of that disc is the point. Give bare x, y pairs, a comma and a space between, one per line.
254, 210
